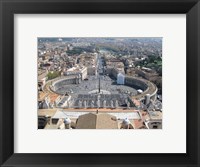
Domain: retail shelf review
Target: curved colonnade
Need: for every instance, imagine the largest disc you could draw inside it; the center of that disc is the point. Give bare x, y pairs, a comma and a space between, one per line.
138, 83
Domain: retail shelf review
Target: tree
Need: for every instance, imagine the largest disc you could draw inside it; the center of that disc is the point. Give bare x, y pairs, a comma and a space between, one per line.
53, 74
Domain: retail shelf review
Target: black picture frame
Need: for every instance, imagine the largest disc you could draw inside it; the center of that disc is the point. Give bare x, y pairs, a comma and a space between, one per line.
10, 7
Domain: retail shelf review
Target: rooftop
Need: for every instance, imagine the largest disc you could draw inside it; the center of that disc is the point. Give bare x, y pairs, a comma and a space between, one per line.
42, 95
97, 121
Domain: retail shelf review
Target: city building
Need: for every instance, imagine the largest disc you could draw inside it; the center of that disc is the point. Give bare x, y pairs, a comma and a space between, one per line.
120, 79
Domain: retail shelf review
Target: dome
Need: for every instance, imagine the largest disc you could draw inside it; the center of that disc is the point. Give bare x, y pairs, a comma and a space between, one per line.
67, 121
47, 116
126, 121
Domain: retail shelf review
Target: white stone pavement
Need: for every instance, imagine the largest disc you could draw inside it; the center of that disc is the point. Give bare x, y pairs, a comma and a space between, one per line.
71, 114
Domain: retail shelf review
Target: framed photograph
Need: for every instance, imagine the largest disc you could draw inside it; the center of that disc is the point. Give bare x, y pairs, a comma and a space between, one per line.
99, 83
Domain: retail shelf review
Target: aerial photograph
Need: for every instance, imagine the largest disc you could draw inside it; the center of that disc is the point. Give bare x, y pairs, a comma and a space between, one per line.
99, 83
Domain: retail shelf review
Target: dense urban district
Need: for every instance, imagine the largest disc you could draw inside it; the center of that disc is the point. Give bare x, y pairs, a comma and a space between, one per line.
99, 83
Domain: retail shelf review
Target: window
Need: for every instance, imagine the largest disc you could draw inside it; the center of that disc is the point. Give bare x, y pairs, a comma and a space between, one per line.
155, 127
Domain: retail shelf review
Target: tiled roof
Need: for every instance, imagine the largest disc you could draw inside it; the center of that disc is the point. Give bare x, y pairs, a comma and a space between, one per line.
53, 97
138, 124
97, 121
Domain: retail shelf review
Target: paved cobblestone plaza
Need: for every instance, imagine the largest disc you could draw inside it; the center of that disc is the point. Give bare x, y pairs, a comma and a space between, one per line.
92, 84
